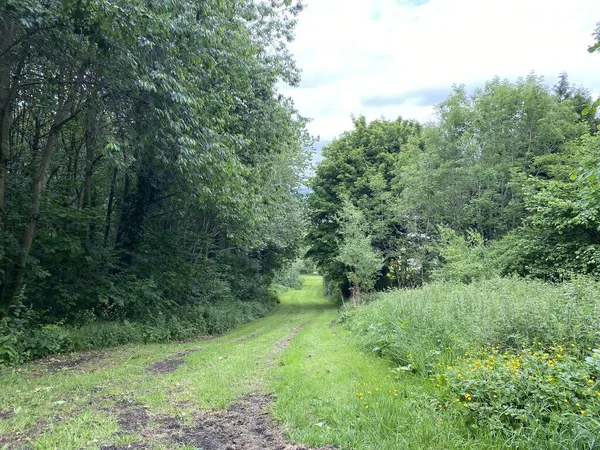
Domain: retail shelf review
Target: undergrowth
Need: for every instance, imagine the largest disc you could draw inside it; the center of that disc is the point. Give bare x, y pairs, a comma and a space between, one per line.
516, 358
22, 340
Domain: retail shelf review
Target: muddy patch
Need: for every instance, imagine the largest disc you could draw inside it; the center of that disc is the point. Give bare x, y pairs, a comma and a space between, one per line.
132, 417
244, 426
128, 447
6, 413
169, 364
165, 366
83, 362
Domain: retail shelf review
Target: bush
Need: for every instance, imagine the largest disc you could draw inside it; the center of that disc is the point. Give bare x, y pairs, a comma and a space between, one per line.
289, 277
464, 259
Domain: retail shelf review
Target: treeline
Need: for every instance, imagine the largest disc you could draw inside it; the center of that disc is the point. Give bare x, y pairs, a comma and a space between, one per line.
502, 182
148, 165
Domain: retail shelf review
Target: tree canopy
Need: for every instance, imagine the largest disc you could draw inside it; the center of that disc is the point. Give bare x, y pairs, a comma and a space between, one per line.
147, 160
493, 168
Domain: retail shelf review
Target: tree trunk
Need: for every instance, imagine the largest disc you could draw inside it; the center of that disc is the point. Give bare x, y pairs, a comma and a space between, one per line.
89, 158
8, 92
15, 284
111, 197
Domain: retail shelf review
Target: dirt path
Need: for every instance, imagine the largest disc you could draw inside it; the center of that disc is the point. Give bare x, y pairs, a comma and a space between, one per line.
209, 395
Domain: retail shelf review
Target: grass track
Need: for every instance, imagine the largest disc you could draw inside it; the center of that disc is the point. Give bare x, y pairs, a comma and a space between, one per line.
325, 390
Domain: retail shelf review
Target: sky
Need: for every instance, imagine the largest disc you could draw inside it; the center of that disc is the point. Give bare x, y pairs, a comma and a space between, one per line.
390, 58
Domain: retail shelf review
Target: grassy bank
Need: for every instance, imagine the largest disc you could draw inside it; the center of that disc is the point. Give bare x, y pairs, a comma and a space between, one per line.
513, 358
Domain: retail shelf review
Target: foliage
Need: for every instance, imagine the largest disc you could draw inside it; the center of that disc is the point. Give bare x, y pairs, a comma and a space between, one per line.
147, 162
559, 237
532, 397
484, 189
512, 357
356, 251
494, 164
463, 259
23, 340
289, 277
440, 321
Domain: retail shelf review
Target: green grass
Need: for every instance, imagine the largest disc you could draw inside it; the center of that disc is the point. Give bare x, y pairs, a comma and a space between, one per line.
319, 383
514, 356
326, 390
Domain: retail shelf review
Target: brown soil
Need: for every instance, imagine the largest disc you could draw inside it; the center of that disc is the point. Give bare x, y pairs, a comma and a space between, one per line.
244, 426
80, 361
132, 417
169, 364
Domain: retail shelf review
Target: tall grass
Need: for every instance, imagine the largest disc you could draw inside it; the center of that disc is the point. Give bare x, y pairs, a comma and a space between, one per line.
517, 359
443, 320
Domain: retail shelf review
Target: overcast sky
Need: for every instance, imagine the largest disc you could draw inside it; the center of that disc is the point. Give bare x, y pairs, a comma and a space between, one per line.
401, 57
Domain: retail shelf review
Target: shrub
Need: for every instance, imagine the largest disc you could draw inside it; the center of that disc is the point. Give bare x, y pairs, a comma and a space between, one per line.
442, 320
464, 259
289, 277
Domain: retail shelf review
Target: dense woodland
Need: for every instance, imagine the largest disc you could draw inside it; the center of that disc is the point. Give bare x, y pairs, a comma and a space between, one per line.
502, 182
149, 169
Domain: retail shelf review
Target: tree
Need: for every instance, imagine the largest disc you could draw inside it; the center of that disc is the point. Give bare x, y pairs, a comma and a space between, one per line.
356, 252
146, 157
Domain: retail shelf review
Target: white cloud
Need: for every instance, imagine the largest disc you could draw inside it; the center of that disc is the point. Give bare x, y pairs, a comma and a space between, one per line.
351, 50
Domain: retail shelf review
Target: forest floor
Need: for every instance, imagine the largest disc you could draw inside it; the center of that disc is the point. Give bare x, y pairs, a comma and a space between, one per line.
292, 380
